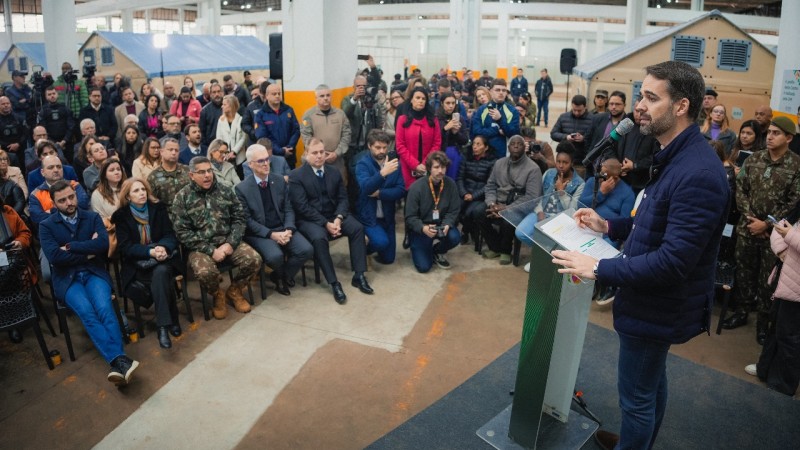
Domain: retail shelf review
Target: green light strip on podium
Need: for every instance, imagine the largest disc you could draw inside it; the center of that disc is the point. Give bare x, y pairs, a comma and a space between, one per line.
536, 348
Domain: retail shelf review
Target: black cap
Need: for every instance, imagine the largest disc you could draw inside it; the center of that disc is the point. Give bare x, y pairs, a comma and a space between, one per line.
246, 72
710, 91
17, 73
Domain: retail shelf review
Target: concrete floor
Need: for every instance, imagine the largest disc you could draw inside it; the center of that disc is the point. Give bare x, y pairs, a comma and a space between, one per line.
298, 371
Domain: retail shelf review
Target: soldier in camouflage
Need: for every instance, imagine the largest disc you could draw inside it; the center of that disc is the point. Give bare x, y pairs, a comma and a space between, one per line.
210, 221
768, 184
169, 178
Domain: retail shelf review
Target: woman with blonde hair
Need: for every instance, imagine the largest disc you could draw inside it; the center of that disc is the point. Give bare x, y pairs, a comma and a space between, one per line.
229, 130
224, 171
717, 127
481, 96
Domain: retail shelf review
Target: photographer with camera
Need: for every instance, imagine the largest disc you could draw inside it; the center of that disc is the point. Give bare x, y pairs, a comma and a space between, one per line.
515, 179
21, 96
71, 89
432, 208
539, 151
365, 109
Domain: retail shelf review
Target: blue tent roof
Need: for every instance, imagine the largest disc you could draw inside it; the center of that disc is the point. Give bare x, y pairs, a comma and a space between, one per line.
35, 53
187, 54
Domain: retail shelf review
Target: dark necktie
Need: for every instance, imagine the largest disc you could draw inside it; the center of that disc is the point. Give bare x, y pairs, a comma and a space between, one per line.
262, 184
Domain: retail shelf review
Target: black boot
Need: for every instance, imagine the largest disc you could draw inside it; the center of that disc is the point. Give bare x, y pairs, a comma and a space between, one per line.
163, 338
761, 331
735, 320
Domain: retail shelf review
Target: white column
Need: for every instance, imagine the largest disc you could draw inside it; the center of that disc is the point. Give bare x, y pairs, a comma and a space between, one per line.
319, 44
413, 42
108, 23
60, 37
635, 19
599, 41
698, 5
583, 50
464, 39
7, 21
208, 13
127, 20
788, 57
502, 42
147, 19
181, 14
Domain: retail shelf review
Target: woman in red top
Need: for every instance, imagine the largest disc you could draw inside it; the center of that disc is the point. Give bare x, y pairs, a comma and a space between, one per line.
417, 134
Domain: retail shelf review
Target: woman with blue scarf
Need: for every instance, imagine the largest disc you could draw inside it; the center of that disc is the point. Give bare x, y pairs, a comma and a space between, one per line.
147, 245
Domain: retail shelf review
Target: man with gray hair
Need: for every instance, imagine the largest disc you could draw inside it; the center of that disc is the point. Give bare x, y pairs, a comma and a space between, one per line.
330, 125
270, 220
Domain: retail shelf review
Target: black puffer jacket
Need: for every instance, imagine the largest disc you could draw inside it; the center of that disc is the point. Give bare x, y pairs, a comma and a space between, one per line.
568, 124
14, 197
472, 174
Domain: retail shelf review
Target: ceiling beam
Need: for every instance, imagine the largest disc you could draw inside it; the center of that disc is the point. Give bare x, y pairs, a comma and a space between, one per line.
101, 8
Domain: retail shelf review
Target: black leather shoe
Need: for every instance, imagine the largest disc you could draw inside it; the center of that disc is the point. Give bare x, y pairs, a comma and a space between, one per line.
290, 282
606, 440
163, 338
360, 281
338, 293
736, 320
761, 333
15, 335
175, 330
280, 284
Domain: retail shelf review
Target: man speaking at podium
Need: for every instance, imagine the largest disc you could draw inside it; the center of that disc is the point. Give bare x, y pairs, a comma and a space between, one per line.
666, 272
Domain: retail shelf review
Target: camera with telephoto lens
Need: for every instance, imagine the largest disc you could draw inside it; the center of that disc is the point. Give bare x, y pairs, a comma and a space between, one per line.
40, 81
534, 147
89, 70
71, 76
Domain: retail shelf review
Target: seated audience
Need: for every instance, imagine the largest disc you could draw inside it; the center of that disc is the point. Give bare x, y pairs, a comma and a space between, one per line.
129, 146
170, 176
471, 181
224, 171
148, 160
44, 149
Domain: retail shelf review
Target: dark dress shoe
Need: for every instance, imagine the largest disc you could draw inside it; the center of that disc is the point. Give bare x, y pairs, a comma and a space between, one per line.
175, 330
338, 293
15, 335
280, 284
290, 282
606, 440
736, 320
360, 281
163, 338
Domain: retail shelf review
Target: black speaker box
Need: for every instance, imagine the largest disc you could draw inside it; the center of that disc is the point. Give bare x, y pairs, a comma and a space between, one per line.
569, 59
276, 56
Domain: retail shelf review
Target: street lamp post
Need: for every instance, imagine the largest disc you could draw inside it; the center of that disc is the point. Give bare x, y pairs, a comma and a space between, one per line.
161, 41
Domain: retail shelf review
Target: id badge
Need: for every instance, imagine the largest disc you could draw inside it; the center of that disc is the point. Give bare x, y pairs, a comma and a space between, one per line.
435, 214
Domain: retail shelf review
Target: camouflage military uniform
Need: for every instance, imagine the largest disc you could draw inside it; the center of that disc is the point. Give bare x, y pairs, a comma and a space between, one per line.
763, 187
166, 185
206, 219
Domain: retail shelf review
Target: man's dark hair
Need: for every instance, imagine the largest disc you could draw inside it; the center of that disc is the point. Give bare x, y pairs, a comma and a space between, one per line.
579, 100
196, 161
378, 135
527, 132
50, 88
498, 82
263, 87
59, 186
189, 127
43, 144
438, 156
619, 94
95, 88
443, 83
213, 81
683, 81
227, 77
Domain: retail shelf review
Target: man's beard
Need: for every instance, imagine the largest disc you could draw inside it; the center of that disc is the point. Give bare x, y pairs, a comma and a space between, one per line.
658, 126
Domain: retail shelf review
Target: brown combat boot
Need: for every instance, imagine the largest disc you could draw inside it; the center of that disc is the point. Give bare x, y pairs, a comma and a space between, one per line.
220, 309
234, 294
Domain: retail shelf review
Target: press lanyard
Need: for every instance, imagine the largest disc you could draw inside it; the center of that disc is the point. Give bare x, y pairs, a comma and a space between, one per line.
436, 197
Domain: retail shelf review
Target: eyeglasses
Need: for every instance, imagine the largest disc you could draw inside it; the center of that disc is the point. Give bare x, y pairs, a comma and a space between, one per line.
261, 161
4, 159
204, 172
219, 150
173, 123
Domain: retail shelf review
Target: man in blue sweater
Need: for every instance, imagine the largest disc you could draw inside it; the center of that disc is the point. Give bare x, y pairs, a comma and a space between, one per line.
666, 272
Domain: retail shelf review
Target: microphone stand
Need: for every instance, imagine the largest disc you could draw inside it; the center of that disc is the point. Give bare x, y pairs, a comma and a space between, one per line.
597, 178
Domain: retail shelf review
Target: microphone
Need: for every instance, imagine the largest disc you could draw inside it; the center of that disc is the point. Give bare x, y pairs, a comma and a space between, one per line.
622, 129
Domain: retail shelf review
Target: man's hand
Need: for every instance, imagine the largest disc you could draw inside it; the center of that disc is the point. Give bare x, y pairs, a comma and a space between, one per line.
468, 197
575, 263
577, 137
627, 166
334, 228
421, 168
608, 185
756, 227
390, 167
15, 245
371, 62
330, 157
429, 230
494, 210
376, 194
288, 150
13, 147
218, 255
94, 235
588, 218
494, 113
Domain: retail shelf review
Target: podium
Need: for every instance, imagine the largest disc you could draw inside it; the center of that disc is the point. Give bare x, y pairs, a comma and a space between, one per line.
553, 331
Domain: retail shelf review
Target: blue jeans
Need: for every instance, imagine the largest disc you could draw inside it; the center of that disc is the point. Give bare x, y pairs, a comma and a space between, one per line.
382, 240
526, 228
642, 386
423, 248
544, 106
89, 296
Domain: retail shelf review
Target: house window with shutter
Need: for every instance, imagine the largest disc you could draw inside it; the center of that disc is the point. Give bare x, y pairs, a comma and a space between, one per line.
11, 66
689, 49
23, 63
734, 54
89, 56
107, 56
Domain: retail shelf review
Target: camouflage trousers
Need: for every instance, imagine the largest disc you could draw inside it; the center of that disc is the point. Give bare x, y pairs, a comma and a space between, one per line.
245, 259
754, 262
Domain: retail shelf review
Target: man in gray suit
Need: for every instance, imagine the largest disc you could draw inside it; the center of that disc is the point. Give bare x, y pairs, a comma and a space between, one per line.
270, 220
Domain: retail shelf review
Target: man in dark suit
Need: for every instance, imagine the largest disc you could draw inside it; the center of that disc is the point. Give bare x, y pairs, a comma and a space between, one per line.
319, 199
270, 220
604, 123
194, 144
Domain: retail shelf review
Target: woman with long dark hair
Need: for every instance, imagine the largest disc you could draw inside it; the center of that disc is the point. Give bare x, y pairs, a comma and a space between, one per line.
148, 160
747, 142
455, 132
129, 145
150, 118
473, 173
416, 135
147, 246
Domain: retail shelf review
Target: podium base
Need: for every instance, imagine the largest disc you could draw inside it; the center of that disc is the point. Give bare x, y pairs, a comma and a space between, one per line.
553, 434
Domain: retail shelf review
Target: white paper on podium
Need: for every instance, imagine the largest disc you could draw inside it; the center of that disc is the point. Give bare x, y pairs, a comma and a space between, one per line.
563, 229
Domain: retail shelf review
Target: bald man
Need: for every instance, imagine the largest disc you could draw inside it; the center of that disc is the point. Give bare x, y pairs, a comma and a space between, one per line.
763, 116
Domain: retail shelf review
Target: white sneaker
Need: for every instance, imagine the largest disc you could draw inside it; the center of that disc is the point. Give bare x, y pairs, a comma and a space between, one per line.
528, 268
604, 301
751, 369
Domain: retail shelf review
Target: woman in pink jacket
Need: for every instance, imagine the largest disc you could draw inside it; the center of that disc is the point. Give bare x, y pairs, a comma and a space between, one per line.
416, 135
779, 364
186, 108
